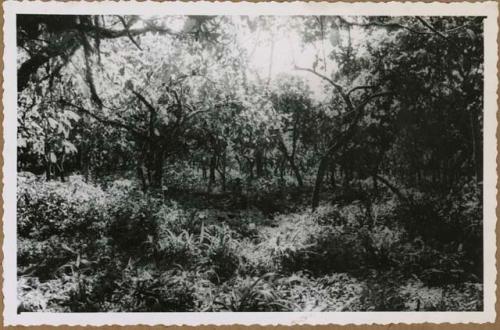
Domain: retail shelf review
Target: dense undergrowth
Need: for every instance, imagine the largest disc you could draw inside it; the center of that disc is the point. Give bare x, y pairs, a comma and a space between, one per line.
85, 248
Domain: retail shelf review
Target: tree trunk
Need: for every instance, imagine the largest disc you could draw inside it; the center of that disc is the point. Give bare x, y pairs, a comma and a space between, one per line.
142, 174
291, 161
333, 169
60, 169
204, 170
157, 170
259, 163
142, 170
375, 183
320, 175
282, 169
48, 170
296, 171
211, 175
250, 167
223, 171
476, 143
85, 164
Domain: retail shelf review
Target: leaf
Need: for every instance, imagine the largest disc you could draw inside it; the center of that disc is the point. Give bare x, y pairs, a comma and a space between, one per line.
67, 248
52, 157
21, 142
63, 129
471, 34
72, 115
69, 147
129, 84
52, 122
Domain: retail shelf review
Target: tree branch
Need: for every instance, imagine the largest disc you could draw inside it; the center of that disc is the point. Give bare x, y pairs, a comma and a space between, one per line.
337, 86
105, 121
31, 66
394, 189
126, 26
113, 34
430, 27
361, 87
192, 114
391, 25
141, 98
88, 71
341, 138
371, 97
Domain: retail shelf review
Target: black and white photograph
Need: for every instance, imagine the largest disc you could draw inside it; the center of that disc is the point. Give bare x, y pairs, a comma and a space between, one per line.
250, 163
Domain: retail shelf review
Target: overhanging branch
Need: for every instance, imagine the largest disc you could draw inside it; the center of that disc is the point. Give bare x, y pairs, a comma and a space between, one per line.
114, 123
430, 27
337, 86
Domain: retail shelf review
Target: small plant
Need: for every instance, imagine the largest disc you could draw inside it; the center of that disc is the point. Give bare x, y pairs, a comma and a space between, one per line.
253, 294
172, 249
220, 251
147, 290
132, 221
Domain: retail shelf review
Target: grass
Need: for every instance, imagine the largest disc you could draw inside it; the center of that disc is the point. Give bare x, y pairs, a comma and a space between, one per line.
138, 253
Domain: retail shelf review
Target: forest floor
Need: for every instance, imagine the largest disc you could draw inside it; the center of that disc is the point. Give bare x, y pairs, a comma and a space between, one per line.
83, 248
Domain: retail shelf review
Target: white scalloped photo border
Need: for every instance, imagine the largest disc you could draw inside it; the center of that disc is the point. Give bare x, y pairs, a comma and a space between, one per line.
11, 8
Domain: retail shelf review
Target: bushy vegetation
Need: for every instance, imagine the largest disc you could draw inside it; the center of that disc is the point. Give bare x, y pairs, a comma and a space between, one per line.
84, 248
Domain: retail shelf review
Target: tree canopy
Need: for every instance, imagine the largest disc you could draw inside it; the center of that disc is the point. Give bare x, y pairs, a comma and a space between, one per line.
364, 96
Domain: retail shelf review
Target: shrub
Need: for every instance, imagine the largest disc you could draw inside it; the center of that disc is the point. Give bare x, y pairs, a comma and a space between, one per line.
465, 297
463, 212
42, 258
382, 245
381, 292
146, 290
298, 292
132, 221
220, 250
305, 244
56, 208
252, 294
121, 189
336, 292
329, 216
278, 244
182, 176
244, 222
331, 250
172, 218
50, 296
176, 249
